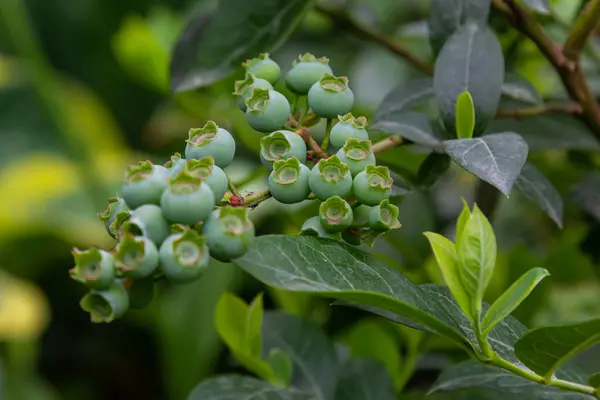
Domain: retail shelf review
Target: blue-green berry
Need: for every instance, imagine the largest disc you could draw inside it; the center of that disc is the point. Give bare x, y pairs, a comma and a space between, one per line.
362, 215
335, 214
147, 220
136, 256
106, 305
94, 268
313, 227
187, 200
305, 72
330, 177
356, 154
175, 164
268, 110
331, 96
210, 140
245, 88
211, 174
384, 217
228, 232
144, 184
348, 127
184, 257
281, 145
263, 67
372, 185
288, 181
109, 215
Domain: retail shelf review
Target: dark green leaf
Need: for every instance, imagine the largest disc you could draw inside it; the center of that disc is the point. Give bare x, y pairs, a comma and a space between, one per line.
465, 116
471, 60
141, 293
540, 6
496, 158
243, 387
403, 97
587, 194
594, 380
446, 16
210, 49
282, 366
434, 166
540, 190
363, 379
412, 125
544, 349
518, 88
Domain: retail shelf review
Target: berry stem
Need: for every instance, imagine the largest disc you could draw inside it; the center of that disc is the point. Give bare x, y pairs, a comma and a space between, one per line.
306, 107
233, 189
304, 132
328, 127
294, 104
254, 199
386, 144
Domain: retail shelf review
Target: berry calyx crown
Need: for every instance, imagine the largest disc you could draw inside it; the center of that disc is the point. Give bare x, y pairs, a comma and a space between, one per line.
388, 215
241, 86
106, 214
253, 61
274, 146
378, 176
130, 251
201, 168
356, 149
174, 159
332, 169
184, 182
83, 261
258, 100
190, 248
308, 57
333, 83
285, 172
204, 135
234, 220
355, 122
139, 172
334, 210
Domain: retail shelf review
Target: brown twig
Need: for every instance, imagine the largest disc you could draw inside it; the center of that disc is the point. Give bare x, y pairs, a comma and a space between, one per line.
565, 108
582, 29
388, 143
313, 145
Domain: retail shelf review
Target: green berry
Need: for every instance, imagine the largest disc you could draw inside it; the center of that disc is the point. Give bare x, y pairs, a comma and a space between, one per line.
184, 256
210, 140
281, 145
245, 87
331, 96
211, 174
175, 164
362, 215
384, 216
187, 200
109, 215
288, 181
348, 127
356, 154
335, 214
268, 110
106, 305
305, 72
147, 220
94, 268
263, 67
330, 177
136, 256
228, 232
372, 185
144, 184
313, 227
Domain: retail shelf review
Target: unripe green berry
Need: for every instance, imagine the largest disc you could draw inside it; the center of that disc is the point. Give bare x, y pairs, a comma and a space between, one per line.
305, 72
372, 185
335, 214
313, 227
210, 140
187, 200
175, 164
356, 154
211, 174
109, 215
362, 215
245, 87
281, 145
106, 305
184, 257
147, 220
144, 184
384, 217
330, 177
136, 256
331, 96
263, 67
288, 181
348, 127
228, 232
268, 110
94, 268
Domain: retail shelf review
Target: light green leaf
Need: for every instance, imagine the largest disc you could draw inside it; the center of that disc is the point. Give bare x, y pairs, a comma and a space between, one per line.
518, 88
465, 116
447, 259
363, 379
254, 325
464, 216
545, 349
512, 298
594, 380
243, 387
535, 186
282, 366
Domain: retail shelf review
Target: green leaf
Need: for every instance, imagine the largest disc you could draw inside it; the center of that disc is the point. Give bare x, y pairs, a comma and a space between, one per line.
544, 349
212, 48
434, 167
363, 379
447, 259
535, 186
445, 17
540, 6
412, 125
282, 366
465, 116
477, 256
254, 325
243, 387
586, 193
512, 298
496, 158
472, 61
594, 380
464, 216
518, 88
404, 97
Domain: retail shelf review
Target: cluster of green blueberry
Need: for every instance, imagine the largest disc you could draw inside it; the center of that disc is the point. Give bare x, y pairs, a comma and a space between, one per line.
169, 220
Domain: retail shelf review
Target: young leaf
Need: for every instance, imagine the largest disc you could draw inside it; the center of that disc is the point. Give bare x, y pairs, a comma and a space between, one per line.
412, 125
363, 379
243, 387
594, 380
447, 259
534, 185
496, 158
544, 349
465, 116
403, 97
282, 366
253, 326
464, 216
512, 298
518, 88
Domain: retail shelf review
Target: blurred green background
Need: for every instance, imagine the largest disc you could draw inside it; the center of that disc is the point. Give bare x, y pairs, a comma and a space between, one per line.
84, 91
